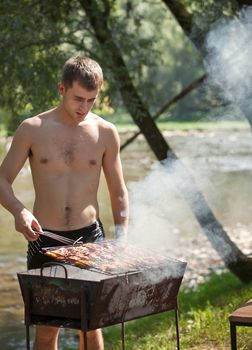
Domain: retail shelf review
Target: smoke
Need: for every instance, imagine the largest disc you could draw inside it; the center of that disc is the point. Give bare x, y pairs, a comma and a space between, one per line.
160, 219
159, 216
151, 211
158, 212
228, 60
171, 269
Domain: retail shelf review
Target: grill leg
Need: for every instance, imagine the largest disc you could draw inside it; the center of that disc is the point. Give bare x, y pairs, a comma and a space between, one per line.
177, 327
85, 340
27, 317
123, 336
27, 337
233, 336
84, 320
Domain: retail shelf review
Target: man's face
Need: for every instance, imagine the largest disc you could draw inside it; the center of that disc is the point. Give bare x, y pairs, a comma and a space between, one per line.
77, 101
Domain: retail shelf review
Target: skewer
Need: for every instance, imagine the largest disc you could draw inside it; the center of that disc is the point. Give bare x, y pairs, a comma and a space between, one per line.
77, 240
58, 237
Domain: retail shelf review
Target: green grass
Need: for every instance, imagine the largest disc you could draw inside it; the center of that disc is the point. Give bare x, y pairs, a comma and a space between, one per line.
124, 123
203, 320
202, 125
187, 126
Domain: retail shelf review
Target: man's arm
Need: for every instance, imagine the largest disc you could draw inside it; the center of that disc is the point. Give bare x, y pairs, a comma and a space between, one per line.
10, 167
112, 168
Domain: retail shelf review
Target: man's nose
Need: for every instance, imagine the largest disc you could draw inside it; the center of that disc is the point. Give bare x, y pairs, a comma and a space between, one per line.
83, 105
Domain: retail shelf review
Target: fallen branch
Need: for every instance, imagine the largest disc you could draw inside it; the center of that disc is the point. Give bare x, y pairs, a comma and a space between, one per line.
183, 93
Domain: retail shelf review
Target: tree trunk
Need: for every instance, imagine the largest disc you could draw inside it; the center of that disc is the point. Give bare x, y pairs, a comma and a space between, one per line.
234, 259
185, 19
242, 3
131, 99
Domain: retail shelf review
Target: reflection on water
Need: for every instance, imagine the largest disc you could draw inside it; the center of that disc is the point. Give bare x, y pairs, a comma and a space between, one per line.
222, 165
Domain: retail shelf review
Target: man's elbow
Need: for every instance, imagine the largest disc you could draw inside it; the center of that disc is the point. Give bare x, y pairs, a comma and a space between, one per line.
5, 180
123, 196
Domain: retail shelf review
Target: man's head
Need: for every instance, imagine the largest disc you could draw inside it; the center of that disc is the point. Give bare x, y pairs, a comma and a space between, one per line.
81, 81
83, 70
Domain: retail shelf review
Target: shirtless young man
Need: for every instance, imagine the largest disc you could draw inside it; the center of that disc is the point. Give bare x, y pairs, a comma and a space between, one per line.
67, 147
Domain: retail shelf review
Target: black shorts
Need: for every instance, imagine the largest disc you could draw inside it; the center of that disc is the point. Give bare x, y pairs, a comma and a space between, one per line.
35, 256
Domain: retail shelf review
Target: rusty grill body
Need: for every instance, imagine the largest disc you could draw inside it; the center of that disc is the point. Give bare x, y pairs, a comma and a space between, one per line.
67, 296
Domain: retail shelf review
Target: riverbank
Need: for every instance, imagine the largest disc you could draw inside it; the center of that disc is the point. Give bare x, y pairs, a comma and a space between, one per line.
221, 162
197, 250
203, 260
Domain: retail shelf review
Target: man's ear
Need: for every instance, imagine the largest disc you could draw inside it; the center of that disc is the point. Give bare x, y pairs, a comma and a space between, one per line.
61, 88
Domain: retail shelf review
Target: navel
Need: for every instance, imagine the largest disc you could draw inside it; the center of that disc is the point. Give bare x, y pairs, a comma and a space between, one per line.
67, 215
43, 160
92, 162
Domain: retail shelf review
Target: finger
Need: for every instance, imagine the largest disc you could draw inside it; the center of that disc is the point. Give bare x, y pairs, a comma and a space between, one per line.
27, 236
30, 234
36, 226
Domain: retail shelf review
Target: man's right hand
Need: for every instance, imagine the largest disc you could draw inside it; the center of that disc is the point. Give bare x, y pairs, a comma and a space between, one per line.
27, 224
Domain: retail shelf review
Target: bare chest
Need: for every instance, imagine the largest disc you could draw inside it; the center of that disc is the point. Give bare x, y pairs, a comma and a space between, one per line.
79, 150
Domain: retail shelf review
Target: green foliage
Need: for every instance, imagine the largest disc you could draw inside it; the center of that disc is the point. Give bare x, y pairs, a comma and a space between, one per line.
30, 56
161, 60
206, 12
36, 37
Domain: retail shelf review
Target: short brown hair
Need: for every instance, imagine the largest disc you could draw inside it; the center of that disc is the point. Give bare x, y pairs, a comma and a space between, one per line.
84, 70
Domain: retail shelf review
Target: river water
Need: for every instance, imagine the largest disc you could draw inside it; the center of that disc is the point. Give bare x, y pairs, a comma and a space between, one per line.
221, 162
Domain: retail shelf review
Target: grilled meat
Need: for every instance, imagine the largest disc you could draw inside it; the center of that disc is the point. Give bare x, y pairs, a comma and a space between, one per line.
106, 256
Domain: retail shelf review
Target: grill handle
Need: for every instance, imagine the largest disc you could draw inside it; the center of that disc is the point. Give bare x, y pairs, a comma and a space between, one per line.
50, 264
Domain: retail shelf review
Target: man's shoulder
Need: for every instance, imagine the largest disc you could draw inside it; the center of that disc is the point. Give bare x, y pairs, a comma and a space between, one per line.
108, 132
36, 120
104, 124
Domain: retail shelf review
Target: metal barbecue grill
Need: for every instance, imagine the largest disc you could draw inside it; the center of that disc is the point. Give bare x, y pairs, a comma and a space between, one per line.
67, 296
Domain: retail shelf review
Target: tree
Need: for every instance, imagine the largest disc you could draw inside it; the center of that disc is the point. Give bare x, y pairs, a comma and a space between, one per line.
196, 18
196, 26
98, 16
234, 259
70, 25
30, 56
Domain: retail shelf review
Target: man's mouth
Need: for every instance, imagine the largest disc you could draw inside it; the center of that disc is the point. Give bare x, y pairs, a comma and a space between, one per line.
81, 115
